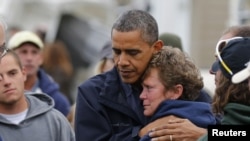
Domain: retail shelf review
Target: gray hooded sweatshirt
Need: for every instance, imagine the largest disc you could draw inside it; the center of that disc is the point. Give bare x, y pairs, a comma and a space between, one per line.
42, 123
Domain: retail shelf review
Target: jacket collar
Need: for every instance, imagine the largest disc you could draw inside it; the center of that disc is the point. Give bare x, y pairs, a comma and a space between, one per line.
115, 93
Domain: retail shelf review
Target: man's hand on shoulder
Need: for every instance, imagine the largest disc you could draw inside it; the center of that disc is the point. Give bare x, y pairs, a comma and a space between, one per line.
173, 128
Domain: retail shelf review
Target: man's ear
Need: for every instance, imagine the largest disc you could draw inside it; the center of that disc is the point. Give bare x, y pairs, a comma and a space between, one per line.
178, 90
158, 45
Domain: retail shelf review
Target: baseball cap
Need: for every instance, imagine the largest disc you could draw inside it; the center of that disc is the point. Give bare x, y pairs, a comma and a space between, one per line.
215, 67
242, 75
233, 56
220, 45
22, 37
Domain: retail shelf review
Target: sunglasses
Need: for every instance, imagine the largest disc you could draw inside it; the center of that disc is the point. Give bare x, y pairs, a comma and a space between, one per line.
3, 50
220, 46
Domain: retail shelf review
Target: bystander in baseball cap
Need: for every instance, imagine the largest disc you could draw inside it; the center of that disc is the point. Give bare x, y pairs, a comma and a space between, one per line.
22, 37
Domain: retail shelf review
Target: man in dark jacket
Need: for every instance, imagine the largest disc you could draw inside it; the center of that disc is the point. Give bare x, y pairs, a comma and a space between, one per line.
108, 107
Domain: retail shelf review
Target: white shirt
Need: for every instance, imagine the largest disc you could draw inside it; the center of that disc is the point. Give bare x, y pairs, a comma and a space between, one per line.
16, 118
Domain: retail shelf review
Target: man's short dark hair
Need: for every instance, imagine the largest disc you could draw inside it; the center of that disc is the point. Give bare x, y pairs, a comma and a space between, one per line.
138, 20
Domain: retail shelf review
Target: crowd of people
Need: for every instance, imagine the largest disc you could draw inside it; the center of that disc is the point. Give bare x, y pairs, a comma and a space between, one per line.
145, 86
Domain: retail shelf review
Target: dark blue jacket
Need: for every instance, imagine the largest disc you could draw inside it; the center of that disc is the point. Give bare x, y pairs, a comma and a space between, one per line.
204, 97
198, 113
50, 87
102, 110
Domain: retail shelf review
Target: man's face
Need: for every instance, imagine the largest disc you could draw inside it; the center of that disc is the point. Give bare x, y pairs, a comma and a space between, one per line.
131, 54
31, 57
12, 82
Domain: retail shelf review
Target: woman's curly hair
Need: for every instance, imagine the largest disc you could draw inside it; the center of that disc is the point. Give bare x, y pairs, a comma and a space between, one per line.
176, 67
227, 92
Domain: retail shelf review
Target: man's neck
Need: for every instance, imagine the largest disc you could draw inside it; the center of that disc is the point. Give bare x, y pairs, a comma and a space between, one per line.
137, 85
14, 108
30, 82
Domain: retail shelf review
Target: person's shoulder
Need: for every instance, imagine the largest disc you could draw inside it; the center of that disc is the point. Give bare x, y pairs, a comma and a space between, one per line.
56, 116
45, 78
93, 80
100, 79
204, 97
93, 86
